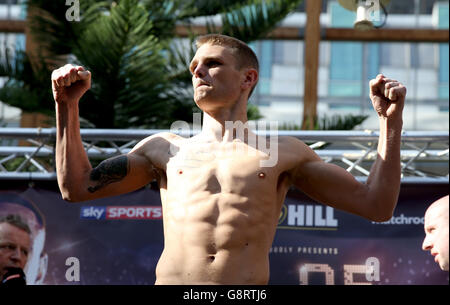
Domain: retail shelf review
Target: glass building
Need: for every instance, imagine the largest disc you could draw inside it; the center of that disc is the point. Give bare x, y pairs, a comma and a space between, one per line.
345, 68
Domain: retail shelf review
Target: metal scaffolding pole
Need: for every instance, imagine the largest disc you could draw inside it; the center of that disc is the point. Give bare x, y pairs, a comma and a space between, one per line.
424, 154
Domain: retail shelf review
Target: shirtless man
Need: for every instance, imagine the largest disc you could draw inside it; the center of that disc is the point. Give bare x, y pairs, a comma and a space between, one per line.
220, 206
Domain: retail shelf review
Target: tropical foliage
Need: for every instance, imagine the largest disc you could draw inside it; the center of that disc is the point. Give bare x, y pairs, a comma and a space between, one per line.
334, 122
139, 69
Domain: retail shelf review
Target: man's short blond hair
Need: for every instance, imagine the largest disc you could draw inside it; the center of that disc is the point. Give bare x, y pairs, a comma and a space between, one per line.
245, 57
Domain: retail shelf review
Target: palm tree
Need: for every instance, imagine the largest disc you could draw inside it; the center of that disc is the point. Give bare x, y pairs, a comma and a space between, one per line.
139, 68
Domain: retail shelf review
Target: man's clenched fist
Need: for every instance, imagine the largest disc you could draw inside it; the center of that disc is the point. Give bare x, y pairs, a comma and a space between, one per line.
69, 83
388, 96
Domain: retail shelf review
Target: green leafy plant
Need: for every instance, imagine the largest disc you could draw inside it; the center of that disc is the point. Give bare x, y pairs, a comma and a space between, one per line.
139, 69
335, 122
24, 88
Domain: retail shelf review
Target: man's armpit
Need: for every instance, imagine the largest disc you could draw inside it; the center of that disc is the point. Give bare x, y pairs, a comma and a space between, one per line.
109, 171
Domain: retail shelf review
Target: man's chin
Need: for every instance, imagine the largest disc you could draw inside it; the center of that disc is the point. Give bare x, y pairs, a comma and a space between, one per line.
204, 103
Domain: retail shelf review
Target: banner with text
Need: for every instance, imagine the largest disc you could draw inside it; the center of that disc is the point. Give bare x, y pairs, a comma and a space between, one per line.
118, 240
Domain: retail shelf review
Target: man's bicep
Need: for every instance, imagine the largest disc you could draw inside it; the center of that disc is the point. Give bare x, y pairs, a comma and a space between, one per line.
111, 170
119, 175
331, 185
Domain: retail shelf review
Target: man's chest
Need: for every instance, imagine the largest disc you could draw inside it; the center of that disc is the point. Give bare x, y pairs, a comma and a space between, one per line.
226, 169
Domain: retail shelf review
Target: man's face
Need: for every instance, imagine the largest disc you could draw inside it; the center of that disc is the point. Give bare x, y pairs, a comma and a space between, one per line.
215, 77
15, 244
436, 234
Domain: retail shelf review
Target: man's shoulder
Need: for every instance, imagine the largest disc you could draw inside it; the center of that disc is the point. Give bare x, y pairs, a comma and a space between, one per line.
157, 141
293, 148
164, 135
290, 142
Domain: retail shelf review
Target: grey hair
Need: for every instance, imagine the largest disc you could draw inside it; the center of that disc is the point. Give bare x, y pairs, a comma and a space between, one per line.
17, 221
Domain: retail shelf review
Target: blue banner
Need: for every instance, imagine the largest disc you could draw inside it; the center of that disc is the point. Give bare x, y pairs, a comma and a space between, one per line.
118, 240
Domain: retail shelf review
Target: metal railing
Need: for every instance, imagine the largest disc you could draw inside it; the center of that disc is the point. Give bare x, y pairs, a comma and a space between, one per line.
424, 155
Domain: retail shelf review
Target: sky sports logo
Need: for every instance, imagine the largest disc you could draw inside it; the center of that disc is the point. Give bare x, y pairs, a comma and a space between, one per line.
121, 212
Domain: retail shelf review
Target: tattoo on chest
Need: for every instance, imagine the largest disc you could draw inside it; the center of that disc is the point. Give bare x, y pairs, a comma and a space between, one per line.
109, 171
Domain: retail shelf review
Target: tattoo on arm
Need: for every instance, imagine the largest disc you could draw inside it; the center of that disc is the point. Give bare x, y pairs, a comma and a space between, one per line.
109, 171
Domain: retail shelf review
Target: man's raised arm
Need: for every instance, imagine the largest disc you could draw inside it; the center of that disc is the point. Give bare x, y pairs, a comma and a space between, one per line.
77, 180
388, 99
334, 186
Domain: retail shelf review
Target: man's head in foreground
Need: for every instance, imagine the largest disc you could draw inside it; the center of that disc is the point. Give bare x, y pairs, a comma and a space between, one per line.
436, 231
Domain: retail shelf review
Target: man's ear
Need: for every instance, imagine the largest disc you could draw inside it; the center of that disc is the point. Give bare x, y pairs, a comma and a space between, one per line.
250, 78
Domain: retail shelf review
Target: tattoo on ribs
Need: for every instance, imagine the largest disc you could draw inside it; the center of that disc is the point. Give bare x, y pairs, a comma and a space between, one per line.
109, 171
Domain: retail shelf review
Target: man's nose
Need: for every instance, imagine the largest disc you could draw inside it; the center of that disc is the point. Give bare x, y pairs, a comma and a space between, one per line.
426, 245
199, 71
17, 255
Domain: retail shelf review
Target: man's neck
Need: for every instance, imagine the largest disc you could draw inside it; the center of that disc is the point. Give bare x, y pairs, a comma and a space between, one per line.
223, 125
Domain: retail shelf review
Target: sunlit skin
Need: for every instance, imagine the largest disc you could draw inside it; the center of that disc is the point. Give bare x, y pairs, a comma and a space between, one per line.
15, 245
220, 206
436, 231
